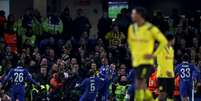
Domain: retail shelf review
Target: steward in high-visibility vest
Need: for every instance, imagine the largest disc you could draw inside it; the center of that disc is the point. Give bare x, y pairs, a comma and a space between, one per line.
29, 37
120, 91
40, 93
52, 25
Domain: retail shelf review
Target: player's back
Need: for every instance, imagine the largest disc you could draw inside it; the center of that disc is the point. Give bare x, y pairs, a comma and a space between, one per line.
91, 87
18, 76
186, 71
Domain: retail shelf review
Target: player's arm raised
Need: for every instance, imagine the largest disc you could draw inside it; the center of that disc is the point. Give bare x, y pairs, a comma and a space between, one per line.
29, 78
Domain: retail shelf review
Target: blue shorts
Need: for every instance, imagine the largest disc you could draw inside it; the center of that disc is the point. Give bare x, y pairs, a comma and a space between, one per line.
186, 89
18, 93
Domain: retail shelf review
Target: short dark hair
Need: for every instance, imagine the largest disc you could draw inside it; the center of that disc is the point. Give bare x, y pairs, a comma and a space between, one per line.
170, 37
142, 11
185, 57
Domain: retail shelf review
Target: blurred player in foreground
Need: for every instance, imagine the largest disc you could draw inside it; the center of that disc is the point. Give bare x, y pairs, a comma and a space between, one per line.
188, 74
141, 38
165, 70
18, 76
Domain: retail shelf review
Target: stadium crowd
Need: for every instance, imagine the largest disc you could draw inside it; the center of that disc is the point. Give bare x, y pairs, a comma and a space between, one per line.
59, 53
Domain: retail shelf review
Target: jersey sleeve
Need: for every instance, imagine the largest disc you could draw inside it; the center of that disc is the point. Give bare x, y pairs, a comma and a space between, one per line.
84, 83
8, 76
29, 77
195, 72
176, 71
157, 35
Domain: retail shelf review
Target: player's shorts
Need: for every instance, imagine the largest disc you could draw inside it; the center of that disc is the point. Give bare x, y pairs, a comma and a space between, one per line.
166, 85
18, 93
144, 71
186, 89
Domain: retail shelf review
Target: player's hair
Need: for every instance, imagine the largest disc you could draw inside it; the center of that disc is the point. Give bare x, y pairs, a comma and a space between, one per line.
185, 57
142, 11
170, 37
91, 72
20, 62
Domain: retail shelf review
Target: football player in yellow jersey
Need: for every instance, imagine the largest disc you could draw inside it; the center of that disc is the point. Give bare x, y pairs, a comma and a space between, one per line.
141, 39
165, 70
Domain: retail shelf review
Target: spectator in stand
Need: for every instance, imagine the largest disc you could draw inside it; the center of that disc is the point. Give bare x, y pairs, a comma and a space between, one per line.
115, 37
53, 26
56, 88
104, 25
115, 40
67, 23
175, 16
10, 36
72, 57
124, 20
27, 20
42, 77
2, 22
160, 22
120, 88
70, 90
29, 39
81, 24
37, 25
4, 96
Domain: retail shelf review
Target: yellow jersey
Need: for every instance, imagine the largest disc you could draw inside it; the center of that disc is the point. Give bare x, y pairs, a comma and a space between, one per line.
141, 40
114, 38
165, 61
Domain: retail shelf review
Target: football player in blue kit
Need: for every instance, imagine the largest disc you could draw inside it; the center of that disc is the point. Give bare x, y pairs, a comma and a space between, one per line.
91, 87
188, 74
19, 76
106, 76
103, 92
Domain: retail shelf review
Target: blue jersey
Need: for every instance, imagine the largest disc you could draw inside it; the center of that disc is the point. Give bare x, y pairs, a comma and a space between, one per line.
104, 88
91, 87
186, 71
18, 76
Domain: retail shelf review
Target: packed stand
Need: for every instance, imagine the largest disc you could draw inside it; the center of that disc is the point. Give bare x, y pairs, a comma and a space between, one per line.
59, 54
